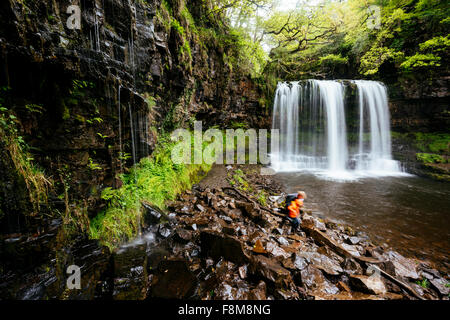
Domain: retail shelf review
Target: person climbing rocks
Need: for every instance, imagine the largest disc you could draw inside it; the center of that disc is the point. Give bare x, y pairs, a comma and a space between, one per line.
294, 205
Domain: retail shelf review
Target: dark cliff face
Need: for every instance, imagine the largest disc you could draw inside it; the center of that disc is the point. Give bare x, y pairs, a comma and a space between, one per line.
107, 90
420, 105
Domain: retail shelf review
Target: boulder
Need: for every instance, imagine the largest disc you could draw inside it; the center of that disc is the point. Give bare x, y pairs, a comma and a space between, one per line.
314, 281
404, 267
259, 292
366, 284
322, 262
441, 285
276, 251
173, 280
152, 214
271, 271
282, 241
182, 235
217, 245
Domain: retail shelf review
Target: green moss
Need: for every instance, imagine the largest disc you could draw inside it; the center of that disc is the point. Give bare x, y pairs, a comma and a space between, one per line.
65, 111
177, 26
154, 180
428, 158
262, 198
433, 142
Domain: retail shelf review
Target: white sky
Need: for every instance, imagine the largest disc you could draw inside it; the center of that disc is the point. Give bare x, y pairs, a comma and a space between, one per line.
292, 4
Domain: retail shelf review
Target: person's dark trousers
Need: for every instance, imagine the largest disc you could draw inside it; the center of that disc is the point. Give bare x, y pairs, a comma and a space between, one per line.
295, 222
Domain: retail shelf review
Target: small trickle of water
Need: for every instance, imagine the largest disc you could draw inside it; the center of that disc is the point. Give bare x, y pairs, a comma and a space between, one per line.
133, 140
119, 111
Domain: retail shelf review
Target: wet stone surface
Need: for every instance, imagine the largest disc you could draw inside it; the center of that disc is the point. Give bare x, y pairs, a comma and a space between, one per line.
209, 249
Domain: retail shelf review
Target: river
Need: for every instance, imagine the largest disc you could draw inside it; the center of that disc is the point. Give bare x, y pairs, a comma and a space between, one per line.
410, 214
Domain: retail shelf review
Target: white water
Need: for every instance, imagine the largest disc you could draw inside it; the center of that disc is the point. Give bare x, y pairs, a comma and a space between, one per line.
314, 135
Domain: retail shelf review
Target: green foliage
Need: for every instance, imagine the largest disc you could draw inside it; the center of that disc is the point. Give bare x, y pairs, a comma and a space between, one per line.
433, 142
424, 283
421, 61
412, 36
375, 57
34, 108
93, 166
429, 158
239, 180
239, 125
154, 180
262, 198
36, 181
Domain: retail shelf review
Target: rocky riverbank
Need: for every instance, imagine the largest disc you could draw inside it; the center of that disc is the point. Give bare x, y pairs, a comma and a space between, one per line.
227, 239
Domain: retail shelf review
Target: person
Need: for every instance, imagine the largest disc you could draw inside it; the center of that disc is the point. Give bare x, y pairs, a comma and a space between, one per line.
294, 205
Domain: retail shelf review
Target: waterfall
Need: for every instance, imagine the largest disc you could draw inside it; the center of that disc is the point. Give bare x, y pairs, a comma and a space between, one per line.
373, 97
312, 118
332, 99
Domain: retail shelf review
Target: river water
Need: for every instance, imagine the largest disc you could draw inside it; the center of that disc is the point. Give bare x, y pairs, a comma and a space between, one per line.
409, 214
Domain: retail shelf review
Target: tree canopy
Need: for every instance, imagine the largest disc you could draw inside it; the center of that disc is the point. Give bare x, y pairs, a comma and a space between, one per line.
365, 38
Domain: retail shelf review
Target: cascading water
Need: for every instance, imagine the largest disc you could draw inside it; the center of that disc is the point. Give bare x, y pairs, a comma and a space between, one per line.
312, 118
373, 97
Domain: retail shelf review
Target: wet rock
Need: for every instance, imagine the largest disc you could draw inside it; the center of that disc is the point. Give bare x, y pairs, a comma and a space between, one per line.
313, 280
320, 225
258, 293
235, 291
288, 264
226, 218
152, 215
300, 262
249, 210
155, 257
352, 267
200, 207
406, 268
228, 229
427, 276
130, 273
271, 271
216, 245
276, 251
322, 262
278, 231
164, 231
95, 263
243, 272
433, 272
285, 295
183, 235
342, 286
352, 249
282, 241
371, 285
173, 280
353, 240
259, 248
441, 285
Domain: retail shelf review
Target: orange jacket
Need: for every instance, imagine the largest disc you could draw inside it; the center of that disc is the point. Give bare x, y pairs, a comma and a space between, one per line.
294, 208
